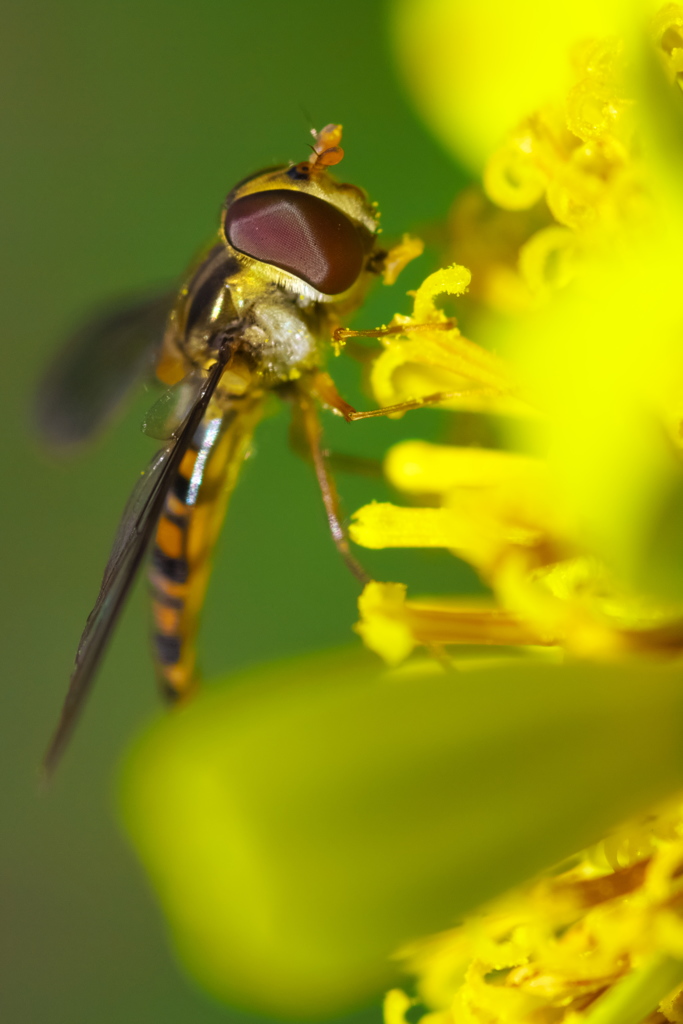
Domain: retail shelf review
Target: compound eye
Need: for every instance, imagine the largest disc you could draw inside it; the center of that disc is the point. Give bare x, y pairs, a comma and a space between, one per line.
299, 233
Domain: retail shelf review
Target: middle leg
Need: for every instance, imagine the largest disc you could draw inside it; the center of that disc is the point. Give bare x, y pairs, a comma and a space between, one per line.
308, 424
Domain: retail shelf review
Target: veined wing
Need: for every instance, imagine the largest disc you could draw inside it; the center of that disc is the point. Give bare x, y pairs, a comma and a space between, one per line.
92, 374
131, 541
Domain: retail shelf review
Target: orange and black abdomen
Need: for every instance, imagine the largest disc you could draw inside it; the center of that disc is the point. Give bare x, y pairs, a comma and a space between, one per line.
175, 564
186, 534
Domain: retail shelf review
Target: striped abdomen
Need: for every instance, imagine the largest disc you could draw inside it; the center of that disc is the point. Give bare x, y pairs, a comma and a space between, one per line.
185, 537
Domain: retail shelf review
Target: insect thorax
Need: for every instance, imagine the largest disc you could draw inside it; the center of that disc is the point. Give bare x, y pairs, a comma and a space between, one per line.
277, 333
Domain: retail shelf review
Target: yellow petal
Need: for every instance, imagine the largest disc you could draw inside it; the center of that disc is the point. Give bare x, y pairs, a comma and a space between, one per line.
418, 467
639, 993
477, 69
399, 256
383, 525
302, 822
433, 357
396, 1005
548, 260
448, 281
384, 627
392, 627
443, 361
601, 359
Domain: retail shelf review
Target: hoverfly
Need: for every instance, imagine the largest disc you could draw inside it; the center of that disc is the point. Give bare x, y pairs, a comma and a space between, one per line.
295, 252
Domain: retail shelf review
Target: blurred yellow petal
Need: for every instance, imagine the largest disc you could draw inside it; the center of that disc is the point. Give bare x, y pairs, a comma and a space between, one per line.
476, 70
614, 336
596, 939
502, 514
495, 505
548, 260
399, 256
512, 178
384, 625
396, 1005
392, 627
303, 821
634, 997
418, 467
382, 525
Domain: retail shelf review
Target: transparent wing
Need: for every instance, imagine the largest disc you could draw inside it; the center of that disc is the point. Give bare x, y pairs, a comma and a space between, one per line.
171, 410
97, 367
130, 544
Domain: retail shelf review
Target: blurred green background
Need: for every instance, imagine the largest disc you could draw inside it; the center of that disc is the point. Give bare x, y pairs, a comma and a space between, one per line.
123, 126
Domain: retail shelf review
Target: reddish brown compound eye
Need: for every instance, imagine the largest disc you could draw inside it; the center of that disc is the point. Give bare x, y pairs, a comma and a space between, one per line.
299, 233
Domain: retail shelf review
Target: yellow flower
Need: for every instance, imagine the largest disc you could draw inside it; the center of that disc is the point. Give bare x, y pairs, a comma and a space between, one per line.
575, 525
572, 528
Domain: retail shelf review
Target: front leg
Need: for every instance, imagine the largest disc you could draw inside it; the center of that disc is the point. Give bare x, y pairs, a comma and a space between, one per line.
325, 390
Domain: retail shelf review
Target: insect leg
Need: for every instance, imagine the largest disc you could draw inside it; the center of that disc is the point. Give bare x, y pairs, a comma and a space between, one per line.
325, 389
340, 335
189, 525
310, 426
338, 462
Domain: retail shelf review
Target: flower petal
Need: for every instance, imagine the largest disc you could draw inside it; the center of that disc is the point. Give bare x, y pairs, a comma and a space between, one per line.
383, 525
305, 821
477, 69
419, 467
392, 627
